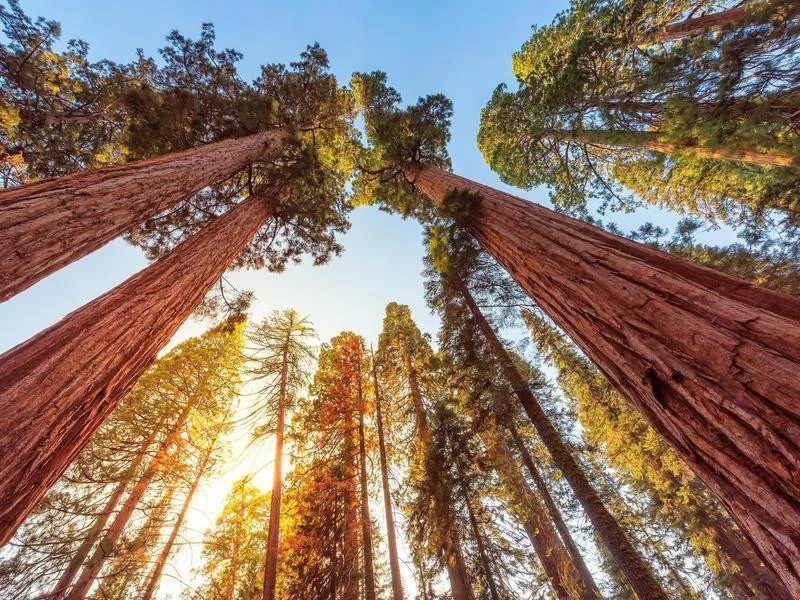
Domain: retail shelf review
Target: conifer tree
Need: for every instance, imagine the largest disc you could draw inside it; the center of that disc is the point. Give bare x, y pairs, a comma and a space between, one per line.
638, 315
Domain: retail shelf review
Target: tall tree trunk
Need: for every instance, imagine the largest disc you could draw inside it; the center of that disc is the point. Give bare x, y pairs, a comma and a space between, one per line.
486, 565
60, 385
366, 521
274, 527
451, 545
158, 568
230, 586
47, 225
635, 568
551, 552
391, 539
108, 544
709, 360
648, 140
349, 568
555, 514
93, 534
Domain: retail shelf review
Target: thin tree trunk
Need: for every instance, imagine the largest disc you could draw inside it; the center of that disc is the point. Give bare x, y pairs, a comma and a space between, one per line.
350, 548
274, 527
230, 586
108, 544
391, 539
47, 225
551, 552
366, 522
484, 558
100, 522
555, 514
50, 117
648, 140
451, 546
157, 570
60, 385
636, 569
710, 361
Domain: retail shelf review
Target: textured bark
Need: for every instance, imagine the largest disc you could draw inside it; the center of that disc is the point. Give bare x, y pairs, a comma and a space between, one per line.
589, 583
486, 564
108, 544
158, 568
366, 521
59, 386
552, 554
47, 225
451, 545
274, 527
709, 360
93, 534
391, 537
635, 568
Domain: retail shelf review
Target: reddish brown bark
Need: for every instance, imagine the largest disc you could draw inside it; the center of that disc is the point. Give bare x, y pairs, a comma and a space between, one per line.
630, 562
391, 537
552, 554
47, 225
59, 386
704, 23
648, 140
366, 520
555, 515
710, 361
349, 564
274, 527
93, 534
108, 544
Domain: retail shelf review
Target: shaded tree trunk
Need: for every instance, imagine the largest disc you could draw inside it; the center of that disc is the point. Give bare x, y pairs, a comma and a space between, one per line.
555, 514
108, 544
274, 527
709, 360
47, 225
648, 140
635, 568
486, 564
61, 384
391, 539
366, 522
349, 568
230, 586
93, 534
552, 554
451, 545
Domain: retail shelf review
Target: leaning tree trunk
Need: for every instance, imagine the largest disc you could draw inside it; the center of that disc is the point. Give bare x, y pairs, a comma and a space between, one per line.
711, 361
451, 545
482, 554
158, 568
94, 532
555, 514
108, 544
648, 140
391, 539
274, 527
556, 561
635, 568
47, 225
59, 386
366, 522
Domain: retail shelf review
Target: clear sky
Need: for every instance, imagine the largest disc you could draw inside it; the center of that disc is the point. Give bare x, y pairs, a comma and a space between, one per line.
461, 48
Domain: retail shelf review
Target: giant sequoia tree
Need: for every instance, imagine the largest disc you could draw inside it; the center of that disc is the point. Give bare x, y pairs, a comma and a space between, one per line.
708, 359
